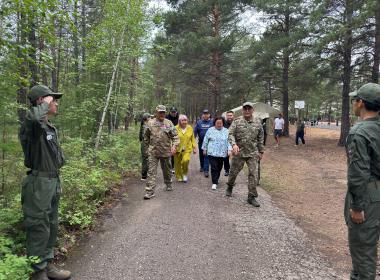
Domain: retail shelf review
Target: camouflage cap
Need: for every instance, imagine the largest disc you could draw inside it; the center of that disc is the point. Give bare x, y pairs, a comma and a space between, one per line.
250, 104
161, 108
369, 92
42, 91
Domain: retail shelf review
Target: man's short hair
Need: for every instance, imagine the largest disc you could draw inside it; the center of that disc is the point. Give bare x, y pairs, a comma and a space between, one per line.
371, 107
230, 112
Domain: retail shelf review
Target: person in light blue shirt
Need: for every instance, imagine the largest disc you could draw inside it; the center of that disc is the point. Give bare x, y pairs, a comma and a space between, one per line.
216, 146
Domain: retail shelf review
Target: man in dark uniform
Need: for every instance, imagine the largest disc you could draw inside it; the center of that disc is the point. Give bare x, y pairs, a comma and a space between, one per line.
41, 188
362, 207
144, 149
173, 117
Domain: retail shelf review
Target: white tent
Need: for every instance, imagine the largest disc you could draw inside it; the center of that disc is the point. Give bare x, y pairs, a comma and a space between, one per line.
262, 111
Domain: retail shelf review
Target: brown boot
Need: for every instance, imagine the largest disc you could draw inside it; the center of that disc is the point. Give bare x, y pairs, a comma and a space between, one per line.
54, 272
39, 275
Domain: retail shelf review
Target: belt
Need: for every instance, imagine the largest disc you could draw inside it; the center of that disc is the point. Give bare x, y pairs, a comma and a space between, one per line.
51, 174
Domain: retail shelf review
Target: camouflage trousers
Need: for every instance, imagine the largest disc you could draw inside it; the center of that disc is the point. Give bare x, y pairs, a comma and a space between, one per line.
237, 165
152, 172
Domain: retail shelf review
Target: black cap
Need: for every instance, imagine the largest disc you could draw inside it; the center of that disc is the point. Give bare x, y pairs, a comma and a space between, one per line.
173, 109
205, 111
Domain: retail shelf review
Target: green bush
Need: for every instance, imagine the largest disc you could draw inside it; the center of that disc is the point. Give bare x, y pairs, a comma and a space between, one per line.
85, 182
13, 266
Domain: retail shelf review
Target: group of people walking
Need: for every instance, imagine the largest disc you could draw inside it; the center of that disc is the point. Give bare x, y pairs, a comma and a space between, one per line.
164, 141
219, 139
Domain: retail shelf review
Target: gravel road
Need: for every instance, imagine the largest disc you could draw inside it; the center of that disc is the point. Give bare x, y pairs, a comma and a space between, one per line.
196, 233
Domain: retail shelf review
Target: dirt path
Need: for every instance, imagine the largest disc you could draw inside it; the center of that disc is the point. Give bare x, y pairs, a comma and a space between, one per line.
309, 183
196, 233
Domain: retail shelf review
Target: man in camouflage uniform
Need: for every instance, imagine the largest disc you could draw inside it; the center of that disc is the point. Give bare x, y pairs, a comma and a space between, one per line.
246, 137
162, 139
362, 208
41, 189
144, 149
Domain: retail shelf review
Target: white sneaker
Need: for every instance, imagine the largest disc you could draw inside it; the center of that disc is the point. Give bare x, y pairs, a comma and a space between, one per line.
214, 186
185, 178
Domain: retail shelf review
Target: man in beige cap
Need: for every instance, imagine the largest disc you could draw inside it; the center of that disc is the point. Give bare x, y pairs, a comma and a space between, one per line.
162, 140
246, 137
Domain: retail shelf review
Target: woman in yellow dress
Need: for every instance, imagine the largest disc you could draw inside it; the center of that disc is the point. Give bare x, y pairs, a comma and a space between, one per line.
186, 146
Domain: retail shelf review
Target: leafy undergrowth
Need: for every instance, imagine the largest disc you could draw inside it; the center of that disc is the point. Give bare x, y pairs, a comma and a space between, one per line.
88, 181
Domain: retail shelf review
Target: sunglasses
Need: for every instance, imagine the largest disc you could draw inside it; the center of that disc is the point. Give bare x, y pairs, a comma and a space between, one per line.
354, 100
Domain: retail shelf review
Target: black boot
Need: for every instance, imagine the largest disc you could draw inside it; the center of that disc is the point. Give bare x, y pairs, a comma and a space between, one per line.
229, 190
252, 200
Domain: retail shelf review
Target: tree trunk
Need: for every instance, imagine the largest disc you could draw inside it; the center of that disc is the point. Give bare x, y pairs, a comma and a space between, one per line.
32, 50
23, 67
84, 33
285, 75
116, 65
41, 63
132, 91
76, 44
56, 56
270, 92
347, 52
215, 63
376, 53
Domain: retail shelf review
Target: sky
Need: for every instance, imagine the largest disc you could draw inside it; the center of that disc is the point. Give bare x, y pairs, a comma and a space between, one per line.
250, 19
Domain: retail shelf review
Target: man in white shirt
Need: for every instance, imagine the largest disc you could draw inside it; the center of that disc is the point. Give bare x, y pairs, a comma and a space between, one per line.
278, 128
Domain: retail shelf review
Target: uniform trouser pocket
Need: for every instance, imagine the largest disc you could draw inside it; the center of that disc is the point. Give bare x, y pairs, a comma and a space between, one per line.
363, 241
40, 201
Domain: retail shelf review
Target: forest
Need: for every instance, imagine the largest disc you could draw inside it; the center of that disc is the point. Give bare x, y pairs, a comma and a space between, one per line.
115, 59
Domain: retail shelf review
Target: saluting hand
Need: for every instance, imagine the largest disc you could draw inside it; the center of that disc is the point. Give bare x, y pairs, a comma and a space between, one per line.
357, 216
48, 99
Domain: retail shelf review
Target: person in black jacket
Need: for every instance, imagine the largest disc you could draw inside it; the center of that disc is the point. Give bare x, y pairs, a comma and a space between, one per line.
144, 150
173, 117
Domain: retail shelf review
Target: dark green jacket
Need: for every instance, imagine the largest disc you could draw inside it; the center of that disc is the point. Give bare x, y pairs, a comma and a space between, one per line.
300, 127
43, 152
363, 152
